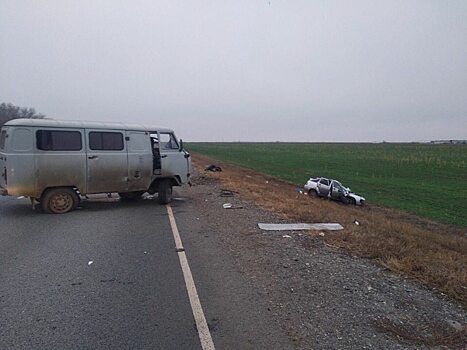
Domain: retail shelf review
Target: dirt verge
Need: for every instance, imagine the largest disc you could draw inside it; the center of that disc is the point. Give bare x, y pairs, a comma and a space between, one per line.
432, 253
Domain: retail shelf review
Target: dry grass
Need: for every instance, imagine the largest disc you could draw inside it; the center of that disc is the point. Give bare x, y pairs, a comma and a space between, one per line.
432, 253
433, 335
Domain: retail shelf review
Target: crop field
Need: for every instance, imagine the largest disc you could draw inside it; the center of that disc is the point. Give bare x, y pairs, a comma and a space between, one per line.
428, 180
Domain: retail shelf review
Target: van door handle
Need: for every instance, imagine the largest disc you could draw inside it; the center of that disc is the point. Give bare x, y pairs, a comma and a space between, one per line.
92, 157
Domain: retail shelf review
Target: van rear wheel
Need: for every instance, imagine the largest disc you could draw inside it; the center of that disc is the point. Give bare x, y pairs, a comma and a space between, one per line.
165, 191
59, 200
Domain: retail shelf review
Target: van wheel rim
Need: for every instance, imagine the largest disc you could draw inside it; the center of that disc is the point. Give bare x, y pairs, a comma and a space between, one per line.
61, 203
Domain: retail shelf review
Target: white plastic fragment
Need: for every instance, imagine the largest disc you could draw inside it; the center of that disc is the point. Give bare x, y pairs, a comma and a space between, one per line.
321, 234
356, 222
287, 236
90, 262
20, 197
231, 206
294, 227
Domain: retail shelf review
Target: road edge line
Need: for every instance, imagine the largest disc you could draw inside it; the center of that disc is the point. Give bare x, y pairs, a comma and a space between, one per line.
201, 324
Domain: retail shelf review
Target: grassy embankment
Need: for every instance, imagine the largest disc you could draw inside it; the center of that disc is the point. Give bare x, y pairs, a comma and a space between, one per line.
427, 180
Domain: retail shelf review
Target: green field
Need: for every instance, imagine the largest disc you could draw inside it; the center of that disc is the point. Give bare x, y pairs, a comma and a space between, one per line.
429, 180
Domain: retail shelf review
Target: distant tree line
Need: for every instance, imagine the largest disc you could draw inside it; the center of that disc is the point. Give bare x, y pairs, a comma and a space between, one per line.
9, 111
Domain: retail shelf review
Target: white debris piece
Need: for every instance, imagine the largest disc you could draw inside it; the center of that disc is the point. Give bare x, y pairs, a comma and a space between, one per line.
90, 262
356, 222
20, 197
287, 236
321, 234
231, 206
294, 227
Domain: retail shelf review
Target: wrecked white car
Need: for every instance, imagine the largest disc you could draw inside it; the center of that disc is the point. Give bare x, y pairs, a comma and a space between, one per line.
333, 189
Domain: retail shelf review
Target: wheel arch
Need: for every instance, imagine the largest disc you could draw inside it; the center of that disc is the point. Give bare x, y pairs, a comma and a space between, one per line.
73, 187
174, 180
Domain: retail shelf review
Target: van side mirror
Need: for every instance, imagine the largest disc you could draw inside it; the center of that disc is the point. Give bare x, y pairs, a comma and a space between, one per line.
181, 145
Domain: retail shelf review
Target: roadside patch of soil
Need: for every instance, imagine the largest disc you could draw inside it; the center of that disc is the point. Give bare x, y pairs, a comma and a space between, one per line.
432, 253
323, 297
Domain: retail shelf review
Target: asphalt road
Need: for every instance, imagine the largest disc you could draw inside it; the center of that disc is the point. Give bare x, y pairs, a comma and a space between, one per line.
107, 276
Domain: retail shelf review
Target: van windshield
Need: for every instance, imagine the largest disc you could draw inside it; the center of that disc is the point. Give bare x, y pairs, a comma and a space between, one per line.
2, 138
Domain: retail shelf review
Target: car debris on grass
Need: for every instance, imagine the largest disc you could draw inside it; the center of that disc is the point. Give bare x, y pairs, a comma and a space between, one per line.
213, 168
333, 189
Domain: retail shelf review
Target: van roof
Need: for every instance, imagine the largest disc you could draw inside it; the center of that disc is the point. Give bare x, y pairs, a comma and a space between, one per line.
52, 123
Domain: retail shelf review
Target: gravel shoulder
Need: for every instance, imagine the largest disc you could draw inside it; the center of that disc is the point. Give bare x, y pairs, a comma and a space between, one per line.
323, 297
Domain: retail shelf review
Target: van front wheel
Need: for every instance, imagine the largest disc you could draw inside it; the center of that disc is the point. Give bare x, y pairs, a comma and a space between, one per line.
165, 191
59, 200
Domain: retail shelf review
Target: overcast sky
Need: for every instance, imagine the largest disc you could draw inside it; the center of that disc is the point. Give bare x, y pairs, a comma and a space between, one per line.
244, 70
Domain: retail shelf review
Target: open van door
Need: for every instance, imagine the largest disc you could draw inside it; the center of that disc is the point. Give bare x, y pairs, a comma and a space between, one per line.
173, 159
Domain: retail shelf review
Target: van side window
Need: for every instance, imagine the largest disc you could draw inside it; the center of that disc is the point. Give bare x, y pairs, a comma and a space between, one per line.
168, 142
2, 139
51, 140
105, 141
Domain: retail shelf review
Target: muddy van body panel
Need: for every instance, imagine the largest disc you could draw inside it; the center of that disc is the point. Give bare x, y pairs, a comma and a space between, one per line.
59, 168
3, 160
107, 161
17, 162
140, 161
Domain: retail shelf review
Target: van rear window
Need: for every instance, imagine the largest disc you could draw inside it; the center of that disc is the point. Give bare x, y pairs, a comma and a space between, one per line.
2, 139
105, 141
52, 140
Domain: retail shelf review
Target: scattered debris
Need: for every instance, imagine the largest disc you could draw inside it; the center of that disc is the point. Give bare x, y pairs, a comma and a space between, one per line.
227, 193
213, 168
321, 234
293, 227
356, 222
149, 196
286, 236
145, 252
456, 325
90, 262
21, 197
231, 206
300, 190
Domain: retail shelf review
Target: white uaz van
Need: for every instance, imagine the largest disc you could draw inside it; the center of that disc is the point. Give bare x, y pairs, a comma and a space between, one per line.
54, 162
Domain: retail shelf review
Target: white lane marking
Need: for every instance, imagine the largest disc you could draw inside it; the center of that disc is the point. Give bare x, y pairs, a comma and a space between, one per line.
200, 319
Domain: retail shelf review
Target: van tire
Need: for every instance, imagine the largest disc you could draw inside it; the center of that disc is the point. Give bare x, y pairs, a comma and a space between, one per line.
59, 200
165, 191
